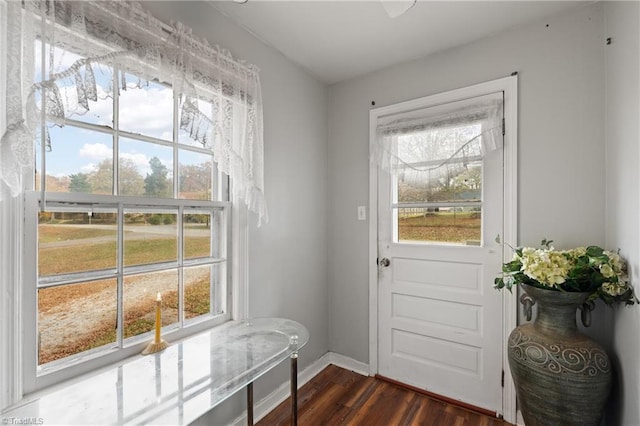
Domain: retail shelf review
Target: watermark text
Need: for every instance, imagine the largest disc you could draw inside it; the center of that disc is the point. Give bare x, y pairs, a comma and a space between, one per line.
22, 421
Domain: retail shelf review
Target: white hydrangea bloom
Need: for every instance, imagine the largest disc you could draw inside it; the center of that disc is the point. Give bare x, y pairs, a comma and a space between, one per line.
607, 271
577, 252
615, 261
546, 266
615, 289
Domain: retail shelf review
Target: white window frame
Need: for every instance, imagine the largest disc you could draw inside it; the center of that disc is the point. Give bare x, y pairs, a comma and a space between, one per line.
18, 376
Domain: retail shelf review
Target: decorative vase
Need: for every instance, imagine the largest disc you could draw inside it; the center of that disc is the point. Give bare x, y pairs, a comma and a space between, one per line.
562, 377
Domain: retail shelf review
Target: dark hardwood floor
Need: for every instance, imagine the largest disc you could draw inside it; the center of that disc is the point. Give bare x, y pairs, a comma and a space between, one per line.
340, 397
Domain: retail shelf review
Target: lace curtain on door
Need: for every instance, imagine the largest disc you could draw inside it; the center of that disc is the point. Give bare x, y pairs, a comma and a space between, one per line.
433, 145
116, 35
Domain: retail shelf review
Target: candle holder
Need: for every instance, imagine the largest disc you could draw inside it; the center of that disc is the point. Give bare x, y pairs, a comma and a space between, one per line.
154, 347
158, 343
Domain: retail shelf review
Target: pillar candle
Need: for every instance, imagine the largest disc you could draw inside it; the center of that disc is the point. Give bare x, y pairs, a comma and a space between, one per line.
158, 317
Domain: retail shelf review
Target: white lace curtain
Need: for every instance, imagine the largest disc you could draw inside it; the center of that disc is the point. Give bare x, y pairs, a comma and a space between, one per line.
110, 34
435, 144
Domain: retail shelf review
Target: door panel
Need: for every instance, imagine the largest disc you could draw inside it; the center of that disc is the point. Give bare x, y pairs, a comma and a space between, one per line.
439, 318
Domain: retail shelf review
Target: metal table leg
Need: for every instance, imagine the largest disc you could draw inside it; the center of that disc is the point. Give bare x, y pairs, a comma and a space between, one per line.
294, 389
250, 404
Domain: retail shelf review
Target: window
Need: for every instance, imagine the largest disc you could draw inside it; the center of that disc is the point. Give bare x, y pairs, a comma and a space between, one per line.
132, 208
439, 198
144, 135
436, 158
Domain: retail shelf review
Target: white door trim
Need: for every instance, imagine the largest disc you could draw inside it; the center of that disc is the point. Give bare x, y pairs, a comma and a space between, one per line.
509, 85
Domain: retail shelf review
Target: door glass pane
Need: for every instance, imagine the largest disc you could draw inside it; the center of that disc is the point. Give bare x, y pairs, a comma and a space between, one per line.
76, 242
454, 225
438, 188
450, 183
75, 318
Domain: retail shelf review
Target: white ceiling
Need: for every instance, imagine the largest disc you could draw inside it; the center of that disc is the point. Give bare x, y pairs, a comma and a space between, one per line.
338, 40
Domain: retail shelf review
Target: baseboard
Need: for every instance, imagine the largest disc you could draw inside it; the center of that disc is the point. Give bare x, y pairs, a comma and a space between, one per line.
347, 363
281, 393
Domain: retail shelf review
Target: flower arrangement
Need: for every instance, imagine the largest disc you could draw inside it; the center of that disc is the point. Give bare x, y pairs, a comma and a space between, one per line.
584, 269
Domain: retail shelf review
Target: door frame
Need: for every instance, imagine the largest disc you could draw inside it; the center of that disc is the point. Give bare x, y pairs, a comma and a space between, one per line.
509, 85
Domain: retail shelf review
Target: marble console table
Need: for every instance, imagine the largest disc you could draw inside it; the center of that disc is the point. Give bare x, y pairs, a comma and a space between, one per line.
177, 385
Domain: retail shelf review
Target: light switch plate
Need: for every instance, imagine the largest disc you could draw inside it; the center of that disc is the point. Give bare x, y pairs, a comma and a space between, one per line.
362, 213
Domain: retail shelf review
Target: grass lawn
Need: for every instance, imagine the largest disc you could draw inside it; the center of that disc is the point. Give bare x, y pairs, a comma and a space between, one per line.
88, 257
441, 227
53, 233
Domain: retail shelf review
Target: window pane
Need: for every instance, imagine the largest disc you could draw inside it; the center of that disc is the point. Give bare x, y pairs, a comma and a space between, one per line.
146, 169
100, 110
454, 182
454, 225
140, 292
75, 318
197, 291
75, 241
194, 175
441, 167
79, 161
185, 135
150, 237
146, 109
197, 234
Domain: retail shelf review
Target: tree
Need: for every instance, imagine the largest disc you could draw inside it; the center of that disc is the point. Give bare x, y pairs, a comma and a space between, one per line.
101, 178
131, 182
469, 179
195, 180
79, 182
156, 184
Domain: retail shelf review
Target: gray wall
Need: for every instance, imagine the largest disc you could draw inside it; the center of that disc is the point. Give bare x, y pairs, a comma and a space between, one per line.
561, 150
288, 255
309, 244
622, 68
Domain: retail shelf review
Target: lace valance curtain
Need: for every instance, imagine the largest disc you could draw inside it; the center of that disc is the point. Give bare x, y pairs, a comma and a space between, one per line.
110, 35
437, 143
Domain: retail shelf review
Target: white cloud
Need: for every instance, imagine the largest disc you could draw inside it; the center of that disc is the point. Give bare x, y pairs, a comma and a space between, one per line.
95, 151
137, 158
148, 111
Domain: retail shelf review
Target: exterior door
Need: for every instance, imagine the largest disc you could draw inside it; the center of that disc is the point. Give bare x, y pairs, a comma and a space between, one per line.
440, 322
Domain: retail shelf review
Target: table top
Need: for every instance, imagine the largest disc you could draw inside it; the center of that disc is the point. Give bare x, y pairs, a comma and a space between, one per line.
175, 386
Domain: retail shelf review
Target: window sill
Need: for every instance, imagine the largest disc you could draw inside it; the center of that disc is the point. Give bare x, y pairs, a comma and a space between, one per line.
175, 386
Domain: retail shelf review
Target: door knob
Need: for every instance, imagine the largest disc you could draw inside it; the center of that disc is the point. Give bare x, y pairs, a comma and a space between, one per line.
385, 262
